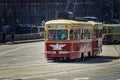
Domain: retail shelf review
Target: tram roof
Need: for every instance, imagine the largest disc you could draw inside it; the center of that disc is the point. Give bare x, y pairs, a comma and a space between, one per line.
63, 21
112, 25
93, 22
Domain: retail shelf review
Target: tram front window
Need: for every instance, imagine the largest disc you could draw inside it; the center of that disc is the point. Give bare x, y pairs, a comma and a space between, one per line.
57, 34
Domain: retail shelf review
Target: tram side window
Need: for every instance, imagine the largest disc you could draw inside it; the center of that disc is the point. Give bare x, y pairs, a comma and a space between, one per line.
109, 30
99, 33
82, 34
104, 30
94, 34
85, 34
89, 34
75, 35
71, 35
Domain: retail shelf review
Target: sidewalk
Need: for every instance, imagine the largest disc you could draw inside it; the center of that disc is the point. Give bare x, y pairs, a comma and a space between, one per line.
22, 38
22, 41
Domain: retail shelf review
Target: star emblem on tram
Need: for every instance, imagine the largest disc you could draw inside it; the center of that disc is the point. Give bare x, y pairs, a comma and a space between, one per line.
57, 46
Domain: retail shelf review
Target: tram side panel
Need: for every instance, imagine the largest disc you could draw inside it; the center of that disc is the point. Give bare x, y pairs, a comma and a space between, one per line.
62, 50
68, 49
57, 50
94, 47
97, 40
80, 49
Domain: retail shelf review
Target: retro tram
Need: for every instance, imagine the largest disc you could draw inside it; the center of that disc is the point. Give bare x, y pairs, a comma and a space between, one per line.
72, 40
111, 33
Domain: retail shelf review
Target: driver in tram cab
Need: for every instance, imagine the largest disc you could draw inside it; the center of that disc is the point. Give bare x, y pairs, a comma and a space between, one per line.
61, 35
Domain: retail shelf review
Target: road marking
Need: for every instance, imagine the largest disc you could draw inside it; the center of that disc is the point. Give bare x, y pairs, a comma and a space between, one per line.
117, 79
16, 49
15, 59
11, 50
29, 56
84, 78
53, 79
7, 79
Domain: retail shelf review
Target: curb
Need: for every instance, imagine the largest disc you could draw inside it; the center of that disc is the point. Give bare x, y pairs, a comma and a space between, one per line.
22, 41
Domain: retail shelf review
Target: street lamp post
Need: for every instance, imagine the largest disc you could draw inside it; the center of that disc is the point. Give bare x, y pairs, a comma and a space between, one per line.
14, 16
112, 11
46, 6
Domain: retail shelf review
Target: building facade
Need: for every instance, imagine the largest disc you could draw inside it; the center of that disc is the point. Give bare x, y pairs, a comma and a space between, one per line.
14, 12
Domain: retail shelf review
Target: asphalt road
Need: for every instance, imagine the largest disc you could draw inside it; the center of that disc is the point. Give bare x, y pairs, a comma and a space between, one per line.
26, 61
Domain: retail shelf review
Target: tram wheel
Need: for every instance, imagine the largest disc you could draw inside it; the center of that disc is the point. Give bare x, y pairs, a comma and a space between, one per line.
82, 57
77, 59
89, 55
56, 60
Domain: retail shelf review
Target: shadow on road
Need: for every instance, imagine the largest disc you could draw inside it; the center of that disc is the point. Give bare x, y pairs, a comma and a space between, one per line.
100, 59
93, 60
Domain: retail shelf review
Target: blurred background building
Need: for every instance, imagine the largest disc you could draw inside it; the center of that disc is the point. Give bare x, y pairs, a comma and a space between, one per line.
17, 13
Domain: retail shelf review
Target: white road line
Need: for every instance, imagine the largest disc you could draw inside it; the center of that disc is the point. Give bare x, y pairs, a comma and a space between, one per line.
7, 79
15, 59
2, 46
84, 78
16, 49
53, 79
29, 56
11, 50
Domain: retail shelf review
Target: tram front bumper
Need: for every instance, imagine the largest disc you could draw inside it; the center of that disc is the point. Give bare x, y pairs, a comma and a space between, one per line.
56, 54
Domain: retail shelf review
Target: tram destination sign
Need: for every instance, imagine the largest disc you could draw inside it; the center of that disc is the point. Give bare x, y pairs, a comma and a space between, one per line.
57, 26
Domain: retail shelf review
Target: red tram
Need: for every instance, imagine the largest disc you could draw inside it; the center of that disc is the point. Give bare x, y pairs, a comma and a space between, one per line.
70, 39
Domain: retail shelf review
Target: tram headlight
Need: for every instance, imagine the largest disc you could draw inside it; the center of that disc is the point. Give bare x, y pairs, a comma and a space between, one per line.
57, 47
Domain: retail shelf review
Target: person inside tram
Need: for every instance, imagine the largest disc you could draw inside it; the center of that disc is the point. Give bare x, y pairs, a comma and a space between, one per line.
62, 35
59, 35
52, 35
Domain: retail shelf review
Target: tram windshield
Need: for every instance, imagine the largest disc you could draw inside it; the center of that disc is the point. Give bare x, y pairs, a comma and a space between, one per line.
57, 34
